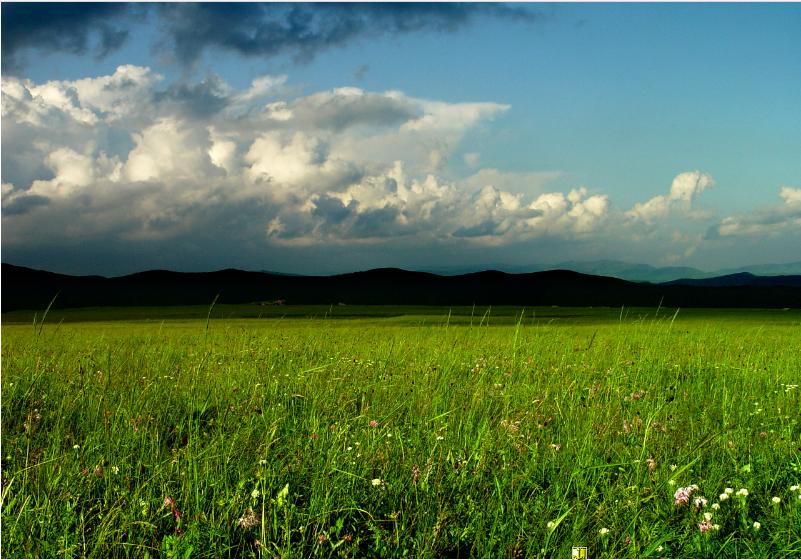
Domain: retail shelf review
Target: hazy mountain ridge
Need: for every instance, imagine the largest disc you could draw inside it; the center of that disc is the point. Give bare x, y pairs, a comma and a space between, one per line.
634, 272
25, 288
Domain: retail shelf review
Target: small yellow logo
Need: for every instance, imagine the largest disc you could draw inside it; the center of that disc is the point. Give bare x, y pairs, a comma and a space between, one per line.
579, 553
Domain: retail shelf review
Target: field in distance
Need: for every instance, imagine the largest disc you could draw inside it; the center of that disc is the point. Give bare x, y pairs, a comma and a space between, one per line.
347, 431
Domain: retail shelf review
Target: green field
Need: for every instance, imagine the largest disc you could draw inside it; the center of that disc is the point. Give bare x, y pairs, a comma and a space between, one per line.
278, 431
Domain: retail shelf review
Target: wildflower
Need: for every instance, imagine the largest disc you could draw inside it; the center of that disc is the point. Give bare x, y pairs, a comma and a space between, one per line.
705, 526
700, 502
378, 483
776, 499
99, 471
556, 446
115, 470
672, 482
440, 438
603, 531
263, 462
723, 497
716, 506
314, 437
373, 424
551, 525
763, 435
169, 502
716, 527
627, 540
256, 543
651, 464
742, 492
682, 496
673, 467
707, 516
76, 447
794, 487
255, 494
729, 490
415, 473
757, 525
660, 548
248, 519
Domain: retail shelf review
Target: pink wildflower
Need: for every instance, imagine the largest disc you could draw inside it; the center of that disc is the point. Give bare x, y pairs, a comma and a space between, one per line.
681, 497
169, 502
322, 538
705, 526
373, 423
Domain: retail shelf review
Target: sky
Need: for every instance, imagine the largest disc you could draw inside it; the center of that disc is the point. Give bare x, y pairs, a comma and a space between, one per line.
329, 138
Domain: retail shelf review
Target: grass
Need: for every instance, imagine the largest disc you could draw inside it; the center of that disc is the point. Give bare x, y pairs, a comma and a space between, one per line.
397, 432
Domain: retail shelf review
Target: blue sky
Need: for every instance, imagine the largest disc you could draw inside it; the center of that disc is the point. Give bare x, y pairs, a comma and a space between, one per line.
329, 138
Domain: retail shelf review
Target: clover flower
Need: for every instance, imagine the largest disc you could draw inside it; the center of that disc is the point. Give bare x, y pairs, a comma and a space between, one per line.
742, 492
776, 500
757, 525
705, 526
603, 531
682, 496
248, 519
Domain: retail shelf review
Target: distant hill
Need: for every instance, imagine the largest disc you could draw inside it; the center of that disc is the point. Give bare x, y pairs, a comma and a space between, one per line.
739, 279
25, 288
633, 272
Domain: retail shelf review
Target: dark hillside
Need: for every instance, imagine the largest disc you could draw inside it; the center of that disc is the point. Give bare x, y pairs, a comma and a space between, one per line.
24, 288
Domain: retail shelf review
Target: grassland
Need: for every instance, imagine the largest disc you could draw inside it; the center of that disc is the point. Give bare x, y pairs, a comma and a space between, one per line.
394, 432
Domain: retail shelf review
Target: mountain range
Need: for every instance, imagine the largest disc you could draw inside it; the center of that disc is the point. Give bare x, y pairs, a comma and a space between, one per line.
633, 272
25, 288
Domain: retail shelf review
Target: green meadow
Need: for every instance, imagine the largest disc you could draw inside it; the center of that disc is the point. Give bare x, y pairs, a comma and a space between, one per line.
336, 431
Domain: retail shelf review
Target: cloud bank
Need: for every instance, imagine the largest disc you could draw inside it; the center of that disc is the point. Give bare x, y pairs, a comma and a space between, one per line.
126, 160
249, 29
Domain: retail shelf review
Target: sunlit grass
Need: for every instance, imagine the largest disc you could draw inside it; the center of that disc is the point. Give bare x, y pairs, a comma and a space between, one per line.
402, 437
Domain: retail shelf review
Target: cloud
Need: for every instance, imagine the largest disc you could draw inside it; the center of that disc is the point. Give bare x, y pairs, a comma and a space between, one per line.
69, 27
684, 189
122, 159
304, 30
767, 221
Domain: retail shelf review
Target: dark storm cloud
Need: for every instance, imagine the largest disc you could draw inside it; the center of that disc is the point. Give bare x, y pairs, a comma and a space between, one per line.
303, 30
331, 209
196, 101
249, 29
63, 27
24, 204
